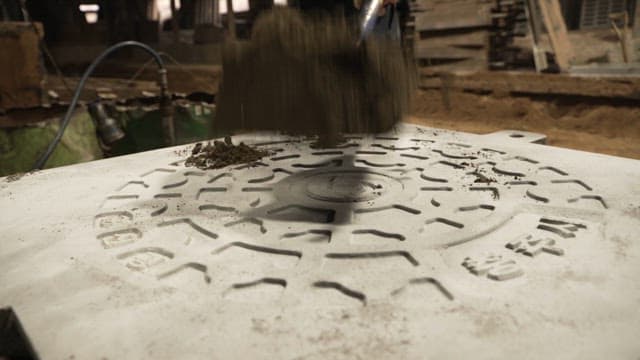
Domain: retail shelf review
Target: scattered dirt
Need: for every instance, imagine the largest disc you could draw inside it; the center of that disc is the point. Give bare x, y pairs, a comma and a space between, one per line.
220, 154
481, 178
576, 124
16, 177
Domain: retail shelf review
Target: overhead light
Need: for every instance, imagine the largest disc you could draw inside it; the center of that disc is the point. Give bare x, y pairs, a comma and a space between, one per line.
91, 18
89, 8
90, 12
238, 6
164, 8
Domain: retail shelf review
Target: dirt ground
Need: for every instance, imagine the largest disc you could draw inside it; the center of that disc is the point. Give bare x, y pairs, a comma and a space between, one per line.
607, 128
602, 128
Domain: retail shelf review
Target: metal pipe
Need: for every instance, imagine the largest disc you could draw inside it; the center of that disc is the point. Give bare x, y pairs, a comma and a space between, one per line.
369, 18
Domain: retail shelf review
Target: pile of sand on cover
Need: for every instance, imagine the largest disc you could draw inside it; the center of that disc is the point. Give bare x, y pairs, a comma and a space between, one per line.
306, 76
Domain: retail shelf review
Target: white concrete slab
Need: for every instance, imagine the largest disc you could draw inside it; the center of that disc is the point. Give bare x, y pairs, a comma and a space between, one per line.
421, 244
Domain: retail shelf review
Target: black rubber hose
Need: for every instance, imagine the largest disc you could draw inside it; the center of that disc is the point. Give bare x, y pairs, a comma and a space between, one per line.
42, 160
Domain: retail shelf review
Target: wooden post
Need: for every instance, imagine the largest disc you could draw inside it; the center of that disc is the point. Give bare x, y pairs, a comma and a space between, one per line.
624, 35
557, 29
446, 82
635, 33
539, 55
175, 24
636, 20
231, 20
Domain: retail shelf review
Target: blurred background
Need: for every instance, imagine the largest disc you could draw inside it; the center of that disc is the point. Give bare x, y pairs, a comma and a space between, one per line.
566, 68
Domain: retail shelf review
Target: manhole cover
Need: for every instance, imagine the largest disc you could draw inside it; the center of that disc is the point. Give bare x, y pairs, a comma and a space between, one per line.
353, 185
418, 244
378, 202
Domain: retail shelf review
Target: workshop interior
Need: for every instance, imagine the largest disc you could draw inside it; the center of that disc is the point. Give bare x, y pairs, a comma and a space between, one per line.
319, 179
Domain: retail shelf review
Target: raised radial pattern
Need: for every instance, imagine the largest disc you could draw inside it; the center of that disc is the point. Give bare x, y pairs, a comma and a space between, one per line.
312, 219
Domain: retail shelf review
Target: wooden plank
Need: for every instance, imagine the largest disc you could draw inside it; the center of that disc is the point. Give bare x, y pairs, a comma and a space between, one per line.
466, 65
472, 38
430, 4
535, 28
557, 30
423, 51
604, 70
452, 17
429, 22
622, 88
636, 22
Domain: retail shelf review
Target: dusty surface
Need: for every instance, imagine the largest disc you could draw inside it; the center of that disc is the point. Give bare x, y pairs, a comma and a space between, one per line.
17, 176
255, 264
602, 128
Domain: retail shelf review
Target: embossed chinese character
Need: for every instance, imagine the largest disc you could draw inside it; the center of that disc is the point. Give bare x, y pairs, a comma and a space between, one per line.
533, 247
559, 227
144, 261
493, 266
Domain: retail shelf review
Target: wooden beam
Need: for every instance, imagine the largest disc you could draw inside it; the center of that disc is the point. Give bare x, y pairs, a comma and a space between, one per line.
175, 23
636, 21
231, 20
622, 88
452, 17
423, 51
557, 30
535, 27
474, 37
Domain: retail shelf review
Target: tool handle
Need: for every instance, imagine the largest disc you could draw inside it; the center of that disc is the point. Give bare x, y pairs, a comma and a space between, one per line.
369, 17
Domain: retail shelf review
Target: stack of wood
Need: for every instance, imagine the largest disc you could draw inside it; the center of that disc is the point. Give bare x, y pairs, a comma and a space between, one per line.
480, 34
507, 18
452, 31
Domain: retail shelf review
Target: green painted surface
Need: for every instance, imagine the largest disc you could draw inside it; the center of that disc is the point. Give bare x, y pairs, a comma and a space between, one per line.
20, 147
144, 129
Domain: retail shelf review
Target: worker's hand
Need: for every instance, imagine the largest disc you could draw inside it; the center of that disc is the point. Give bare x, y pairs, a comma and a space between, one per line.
383, 9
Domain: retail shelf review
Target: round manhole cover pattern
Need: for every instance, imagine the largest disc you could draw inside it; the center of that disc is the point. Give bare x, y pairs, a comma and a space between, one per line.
348, 185
303, 218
